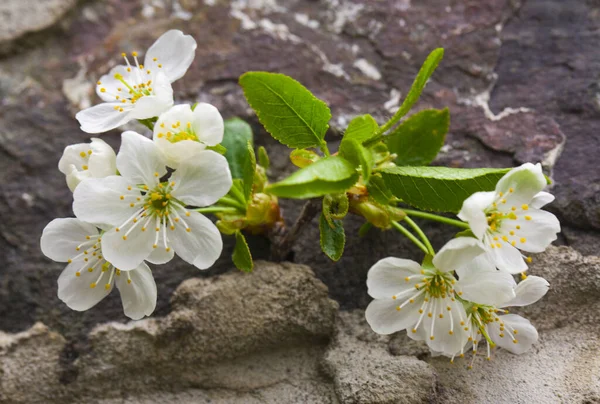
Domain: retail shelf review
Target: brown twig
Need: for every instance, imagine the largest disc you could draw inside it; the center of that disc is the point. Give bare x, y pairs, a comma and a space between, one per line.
283, 241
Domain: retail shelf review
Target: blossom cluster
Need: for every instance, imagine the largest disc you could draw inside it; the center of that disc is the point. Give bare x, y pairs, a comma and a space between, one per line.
459, 297
139, 205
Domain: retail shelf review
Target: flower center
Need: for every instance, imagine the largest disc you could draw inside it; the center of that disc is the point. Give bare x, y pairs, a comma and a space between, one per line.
437, 284
85, 158
176, 133
154, 207
136, 82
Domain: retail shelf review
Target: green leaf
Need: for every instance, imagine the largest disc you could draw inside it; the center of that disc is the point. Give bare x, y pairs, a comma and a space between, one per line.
441, 189
217, 148
263, 158
379, 192
413, 95
329, 175
358, 155
335, 207
332, 238
302, 157
361, 128
237, 135
419, 138
287, 109
249, 170
242, 258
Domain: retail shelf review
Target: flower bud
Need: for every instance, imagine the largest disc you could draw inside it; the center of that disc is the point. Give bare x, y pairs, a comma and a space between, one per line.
87, 160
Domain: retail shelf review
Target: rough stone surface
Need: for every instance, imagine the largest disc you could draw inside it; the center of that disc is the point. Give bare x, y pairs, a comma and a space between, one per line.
231, 338
20, 17
365, 372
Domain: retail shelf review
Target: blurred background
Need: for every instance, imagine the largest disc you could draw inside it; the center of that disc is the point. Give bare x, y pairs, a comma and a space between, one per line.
521, 79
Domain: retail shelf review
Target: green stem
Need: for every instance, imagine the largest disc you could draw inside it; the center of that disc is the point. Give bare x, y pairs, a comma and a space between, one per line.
149, 123
373, 141
437, 218
412, 238
232, 202
238, 195
325, 149
217, 209
422, 235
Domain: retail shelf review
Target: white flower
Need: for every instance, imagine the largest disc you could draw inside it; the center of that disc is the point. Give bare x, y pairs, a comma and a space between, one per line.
140, 91
150, 216
510, 219
424, 299
180, 133
88, 277
87, 160
509, 331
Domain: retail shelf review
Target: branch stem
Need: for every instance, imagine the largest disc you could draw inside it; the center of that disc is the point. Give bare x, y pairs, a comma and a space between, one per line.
420, 233
410, 236
436, 218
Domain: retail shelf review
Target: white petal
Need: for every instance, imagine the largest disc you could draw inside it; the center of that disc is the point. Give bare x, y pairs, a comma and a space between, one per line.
541, 199
487, 287
174, 51
529, 291
507, 258
480, 263
160, 254
98, 200
202, 245
525, 181
208, 124
111, 85
103, 160
151, 106
138, 292
75, 291
72, 157
175, 153
203, 180
457, 253
74, 177
526, 334
128, 254
473, 211
103, 117
538, 229
384, 318
61, 237
140, 160
445, 342
387, 277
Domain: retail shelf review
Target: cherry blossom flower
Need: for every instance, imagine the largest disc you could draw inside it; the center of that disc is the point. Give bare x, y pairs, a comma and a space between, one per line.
499, 328
89, 277
509, 219
140, 91
148, 209
426, 300
180, 133
87, 160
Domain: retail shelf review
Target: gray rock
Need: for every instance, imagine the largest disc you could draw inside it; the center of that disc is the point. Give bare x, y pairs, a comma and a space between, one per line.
20, 17
232, 338
365, 372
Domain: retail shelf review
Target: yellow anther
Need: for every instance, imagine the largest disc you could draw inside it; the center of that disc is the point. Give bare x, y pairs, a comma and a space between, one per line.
504, 238
154, 246
142, 67
406, 279
495, 238
168, 249
511, 190
524, 207
429, 314
84, 167
93, 285
398, 308
156, 174
122, 197
441, 315
160, 66
188, 229
529, 259
513, 208
411, 301
77, 273
117, 229
512, 233
394, 297
523, 239
432, 338
129, 69
503, 201
515, 341
154, 59
451, 332
518, 227
501, 193
513, 243
107, 286
129, 281
134, 54
124, 237
527, 217
160, 135
187, 213
82, 154
147, 71
449, 308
